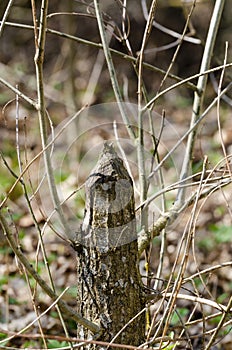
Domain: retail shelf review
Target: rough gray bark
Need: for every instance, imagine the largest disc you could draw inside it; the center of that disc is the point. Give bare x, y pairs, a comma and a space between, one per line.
109, 287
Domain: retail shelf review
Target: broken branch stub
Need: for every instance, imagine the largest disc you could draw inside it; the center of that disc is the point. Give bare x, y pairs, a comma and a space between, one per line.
110, 292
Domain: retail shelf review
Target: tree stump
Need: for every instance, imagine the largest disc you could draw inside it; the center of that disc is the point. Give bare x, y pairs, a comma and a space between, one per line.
110, 291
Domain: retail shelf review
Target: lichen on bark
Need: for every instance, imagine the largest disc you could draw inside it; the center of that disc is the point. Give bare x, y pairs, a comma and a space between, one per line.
109, 287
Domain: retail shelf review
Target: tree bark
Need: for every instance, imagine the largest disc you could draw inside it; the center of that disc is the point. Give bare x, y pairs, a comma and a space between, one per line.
110, 291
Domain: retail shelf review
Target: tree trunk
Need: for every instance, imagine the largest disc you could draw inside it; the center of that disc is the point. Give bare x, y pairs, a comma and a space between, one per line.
110, 292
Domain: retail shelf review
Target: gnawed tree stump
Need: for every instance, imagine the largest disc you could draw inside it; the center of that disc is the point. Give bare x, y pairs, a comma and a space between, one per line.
110, 292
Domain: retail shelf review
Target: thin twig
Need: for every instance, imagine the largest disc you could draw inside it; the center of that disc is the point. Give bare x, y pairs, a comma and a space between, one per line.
95, 74
100, 46
31, 212
178, 46
123, 155
218, 110
29, 267
208, 270
19, 93
140, 143
140, 146
214, 83
49, 144
124, 327
36, 319
168, 217
201, 87
35, 27
195, 299
190, 130
42, 114
112, 72
185, 244
6, 13
167, 30
39, 59
124, 31
184, 81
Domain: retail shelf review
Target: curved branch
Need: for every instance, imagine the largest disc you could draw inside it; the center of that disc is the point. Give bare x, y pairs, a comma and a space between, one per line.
28, 266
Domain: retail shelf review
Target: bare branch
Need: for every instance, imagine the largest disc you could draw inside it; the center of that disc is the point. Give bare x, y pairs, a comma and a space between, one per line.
113, 51
19, 93
111, 69
167, 30
201, 87
28, 266
6, 13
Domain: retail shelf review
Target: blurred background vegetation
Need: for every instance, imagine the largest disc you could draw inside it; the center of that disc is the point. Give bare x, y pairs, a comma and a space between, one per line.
68, 67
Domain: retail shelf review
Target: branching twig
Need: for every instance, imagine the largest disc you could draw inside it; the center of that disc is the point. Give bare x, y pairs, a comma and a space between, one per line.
168, 217
145, 237
185, 243
186, 81
167, 30
179, 44
190, 130
183, 82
